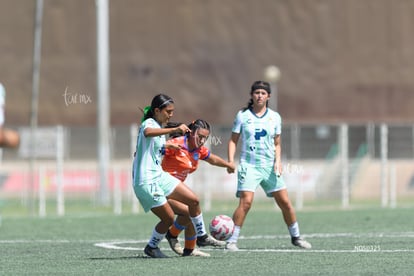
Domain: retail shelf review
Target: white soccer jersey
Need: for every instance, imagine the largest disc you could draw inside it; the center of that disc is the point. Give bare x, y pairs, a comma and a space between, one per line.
257, 136
148, 157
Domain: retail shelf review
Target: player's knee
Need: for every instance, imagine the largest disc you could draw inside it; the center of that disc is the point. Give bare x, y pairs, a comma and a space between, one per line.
246, 206
168, 221
286, 206
183, 220
195, 202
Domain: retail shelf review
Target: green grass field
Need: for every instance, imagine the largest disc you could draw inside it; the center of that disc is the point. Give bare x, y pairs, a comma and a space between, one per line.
351, 242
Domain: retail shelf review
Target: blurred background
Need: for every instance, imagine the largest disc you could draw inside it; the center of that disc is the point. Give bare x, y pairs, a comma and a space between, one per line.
76, 81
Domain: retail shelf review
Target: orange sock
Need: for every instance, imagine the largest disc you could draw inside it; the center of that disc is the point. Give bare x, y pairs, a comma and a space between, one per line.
176, 229
190, 242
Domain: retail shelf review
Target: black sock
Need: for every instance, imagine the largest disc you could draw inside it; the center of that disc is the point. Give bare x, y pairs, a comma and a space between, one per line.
187, 252
168, 235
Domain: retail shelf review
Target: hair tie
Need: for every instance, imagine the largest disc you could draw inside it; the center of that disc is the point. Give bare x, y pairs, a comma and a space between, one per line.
145, 111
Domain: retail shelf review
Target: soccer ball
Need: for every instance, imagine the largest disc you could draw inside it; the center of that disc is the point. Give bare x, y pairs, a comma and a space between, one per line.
221, 227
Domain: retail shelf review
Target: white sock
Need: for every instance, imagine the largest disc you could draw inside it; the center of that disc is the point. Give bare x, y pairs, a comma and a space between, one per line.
235, 236
155, 238
199, 226
294, 230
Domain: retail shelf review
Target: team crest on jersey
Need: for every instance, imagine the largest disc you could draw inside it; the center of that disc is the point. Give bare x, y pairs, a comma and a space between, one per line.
195, 156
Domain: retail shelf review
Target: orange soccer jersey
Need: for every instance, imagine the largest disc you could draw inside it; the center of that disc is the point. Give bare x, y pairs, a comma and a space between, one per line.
180, 162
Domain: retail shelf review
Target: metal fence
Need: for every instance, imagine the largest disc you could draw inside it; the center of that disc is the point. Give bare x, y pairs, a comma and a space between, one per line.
304, 142
342, 164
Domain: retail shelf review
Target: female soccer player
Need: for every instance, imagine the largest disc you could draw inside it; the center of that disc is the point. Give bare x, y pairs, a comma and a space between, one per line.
179, 163
259, 128
151, 184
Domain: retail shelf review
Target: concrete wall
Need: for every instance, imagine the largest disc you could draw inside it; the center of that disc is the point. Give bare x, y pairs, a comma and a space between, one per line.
340, 60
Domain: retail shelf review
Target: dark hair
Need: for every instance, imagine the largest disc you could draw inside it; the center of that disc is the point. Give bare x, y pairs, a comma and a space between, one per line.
260, 85
199, 123
174, 125
255, 86
159, 101
193, 126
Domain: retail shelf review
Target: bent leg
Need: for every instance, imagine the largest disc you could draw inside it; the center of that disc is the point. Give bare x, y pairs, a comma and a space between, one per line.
166, 215
183, 219
182, 222
184, 194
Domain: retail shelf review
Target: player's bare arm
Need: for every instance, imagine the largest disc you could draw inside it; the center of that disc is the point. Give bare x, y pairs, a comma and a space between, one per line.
278, 161
216, 160
152, 132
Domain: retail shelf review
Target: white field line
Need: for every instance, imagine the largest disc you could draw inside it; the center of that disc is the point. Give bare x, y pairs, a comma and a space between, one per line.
119, 245
122, 245
126, 244
337, 235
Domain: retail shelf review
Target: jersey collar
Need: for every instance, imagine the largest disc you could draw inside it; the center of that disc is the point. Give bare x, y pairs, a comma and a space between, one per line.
264, 114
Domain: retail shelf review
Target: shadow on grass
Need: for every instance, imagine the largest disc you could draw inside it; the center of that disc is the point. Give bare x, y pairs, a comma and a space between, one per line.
139, 256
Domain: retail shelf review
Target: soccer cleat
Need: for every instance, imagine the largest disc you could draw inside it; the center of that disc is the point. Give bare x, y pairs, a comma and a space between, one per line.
208, 240
232, 246
299, 242
174, 244
154, 252
199, 253
195, 252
